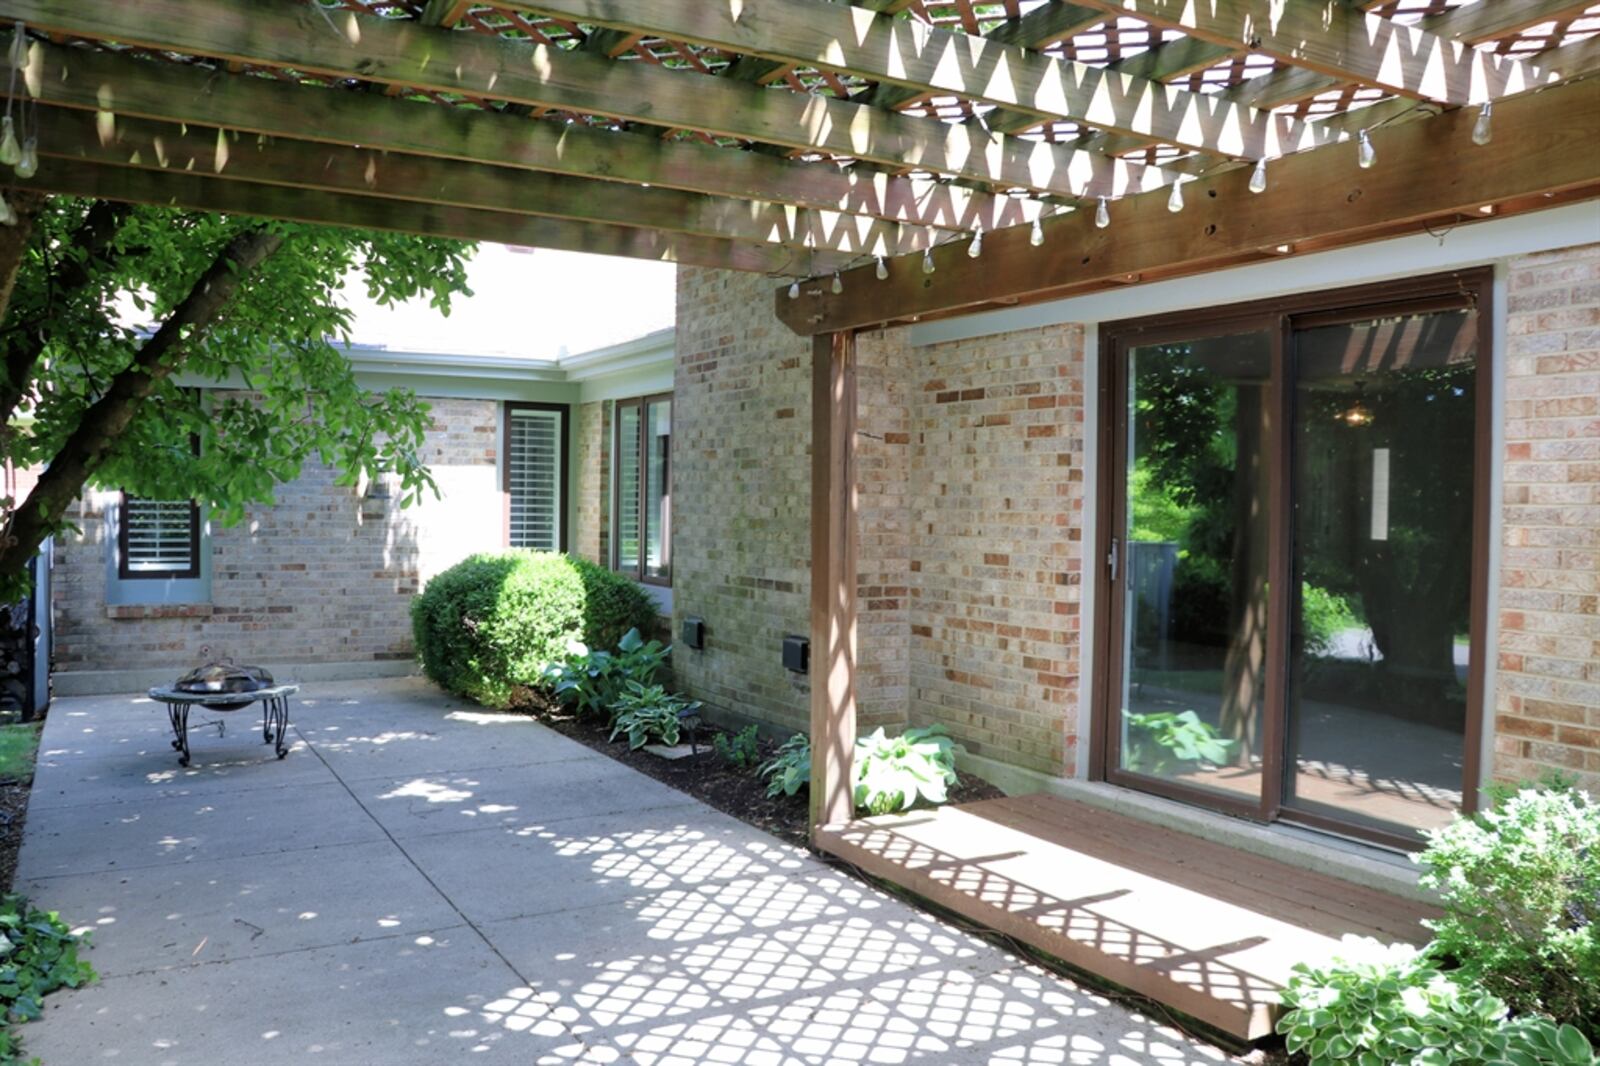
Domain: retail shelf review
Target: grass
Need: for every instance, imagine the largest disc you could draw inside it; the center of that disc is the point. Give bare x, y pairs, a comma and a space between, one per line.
19, 745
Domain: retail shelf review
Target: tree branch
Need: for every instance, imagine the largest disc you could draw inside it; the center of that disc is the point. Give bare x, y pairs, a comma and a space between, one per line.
108, 418
14, 241
84, 250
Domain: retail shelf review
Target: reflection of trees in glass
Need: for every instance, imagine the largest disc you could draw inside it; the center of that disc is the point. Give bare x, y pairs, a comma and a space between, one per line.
1414, 587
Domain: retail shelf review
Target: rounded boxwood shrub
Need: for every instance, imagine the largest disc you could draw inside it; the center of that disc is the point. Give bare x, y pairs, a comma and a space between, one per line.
493, 622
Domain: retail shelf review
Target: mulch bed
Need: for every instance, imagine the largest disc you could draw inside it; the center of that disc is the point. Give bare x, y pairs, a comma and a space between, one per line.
741, 793
13, 812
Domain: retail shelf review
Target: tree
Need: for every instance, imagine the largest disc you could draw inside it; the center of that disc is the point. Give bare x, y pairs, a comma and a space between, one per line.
247, 303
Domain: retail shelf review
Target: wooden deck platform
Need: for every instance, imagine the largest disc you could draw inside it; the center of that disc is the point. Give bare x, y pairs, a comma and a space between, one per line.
1200, 927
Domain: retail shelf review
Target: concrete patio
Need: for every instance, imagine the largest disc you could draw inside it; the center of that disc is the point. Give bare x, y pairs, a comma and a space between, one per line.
424, 882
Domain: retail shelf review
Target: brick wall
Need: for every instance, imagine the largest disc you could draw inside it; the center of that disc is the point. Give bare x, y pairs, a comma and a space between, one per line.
970, 494
1547, 700
322, 576
591, 496
996, 512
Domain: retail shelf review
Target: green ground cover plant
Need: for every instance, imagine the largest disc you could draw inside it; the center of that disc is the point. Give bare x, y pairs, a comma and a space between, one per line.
38, 955
740, 750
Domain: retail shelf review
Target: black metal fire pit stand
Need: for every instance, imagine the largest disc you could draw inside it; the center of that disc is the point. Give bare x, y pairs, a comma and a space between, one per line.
274, 718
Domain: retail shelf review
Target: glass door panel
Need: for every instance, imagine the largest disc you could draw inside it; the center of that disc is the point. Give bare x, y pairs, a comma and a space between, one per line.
1384, 436
1194, 582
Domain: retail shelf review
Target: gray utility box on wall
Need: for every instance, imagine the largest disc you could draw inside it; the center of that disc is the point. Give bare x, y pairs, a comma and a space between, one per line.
796, 653
694, 633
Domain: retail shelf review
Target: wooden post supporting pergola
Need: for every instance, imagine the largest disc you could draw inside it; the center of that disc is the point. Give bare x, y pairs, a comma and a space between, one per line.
833, 576
853, 152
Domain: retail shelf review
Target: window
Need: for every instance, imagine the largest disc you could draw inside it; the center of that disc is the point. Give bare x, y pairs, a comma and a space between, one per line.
158, 538
642, 545
536, 476
1295, 556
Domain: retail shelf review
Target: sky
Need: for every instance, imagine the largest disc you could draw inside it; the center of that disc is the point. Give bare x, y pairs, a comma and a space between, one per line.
528, 302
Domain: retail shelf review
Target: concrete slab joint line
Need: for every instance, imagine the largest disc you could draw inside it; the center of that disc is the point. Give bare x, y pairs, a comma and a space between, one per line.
423, 881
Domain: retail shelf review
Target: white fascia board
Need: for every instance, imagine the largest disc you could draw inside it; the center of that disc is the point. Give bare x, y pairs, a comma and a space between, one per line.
650, 350
451, 364
1464, 245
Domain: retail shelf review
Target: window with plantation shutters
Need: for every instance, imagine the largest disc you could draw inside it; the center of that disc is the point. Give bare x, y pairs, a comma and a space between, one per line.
535, 481
158, 538
641, 545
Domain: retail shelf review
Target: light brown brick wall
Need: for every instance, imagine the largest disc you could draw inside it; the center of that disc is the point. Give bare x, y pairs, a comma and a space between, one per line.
996, 510
741, 488
591, 497
322, 576
1547, 700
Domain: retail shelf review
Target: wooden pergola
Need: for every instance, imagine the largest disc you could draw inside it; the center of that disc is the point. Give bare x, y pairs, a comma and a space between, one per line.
885, 161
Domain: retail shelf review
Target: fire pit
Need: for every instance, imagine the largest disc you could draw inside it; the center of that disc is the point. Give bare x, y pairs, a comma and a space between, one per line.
223, 686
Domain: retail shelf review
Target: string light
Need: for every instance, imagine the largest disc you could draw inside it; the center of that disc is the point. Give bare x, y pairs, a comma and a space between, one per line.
10, 150
1366, 155
1036, 237
1258, 177
975, 248
794, 290
8, 217
1175, 200
838, 284
927, 261
883, 269
1481, 131
1102, 214
28, 165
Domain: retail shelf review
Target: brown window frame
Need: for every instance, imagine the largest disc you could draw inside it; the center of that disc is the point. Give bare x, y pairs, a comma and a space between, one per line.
126, 573
1280, 318
614, 548
565, 460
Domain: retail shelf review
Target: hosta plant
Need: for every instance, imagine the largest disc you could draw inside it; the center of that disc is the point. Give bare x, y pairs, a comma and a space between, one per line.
648, 714
1378, 1005
1535, 1041
790, 770
892, 773
591, 679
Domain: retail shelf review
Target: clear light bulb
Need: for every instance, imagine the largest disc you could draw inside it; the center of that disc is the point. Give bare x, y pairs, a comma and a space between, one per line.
1481, 131
927, 261
10, 150
1366, 155
1036, 237
883, 269
838, 284
8, 217
1258, 177
1102, 214
794, 290
1175, 200
28, 165
975, 248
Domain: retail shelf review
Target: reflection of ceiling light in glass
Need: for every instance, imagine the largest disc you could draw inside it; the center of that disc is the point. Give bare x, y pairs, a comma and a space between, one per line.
1357, 414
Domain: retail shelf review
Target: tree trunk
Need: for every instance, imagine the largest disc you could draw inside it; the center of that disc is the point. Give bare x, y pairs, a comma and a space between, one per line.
14, 240
26, 342
104, 423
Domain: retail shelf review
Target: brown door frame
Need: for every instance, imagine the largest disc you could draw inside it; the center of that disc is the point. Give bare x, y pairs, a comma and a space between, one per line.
564, 458
1278, 317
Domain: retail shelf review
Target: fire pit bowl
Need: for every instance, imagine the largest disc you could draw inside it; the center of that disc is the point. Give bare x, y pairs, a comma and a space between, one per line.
224, 676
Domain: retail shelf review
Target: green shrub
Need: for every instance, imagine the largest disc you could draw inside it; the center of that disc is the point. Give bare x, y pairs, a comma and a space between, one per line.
1520, 884
1388, 1006
38, 954
494, 622
743, 751
590, 680
649, 713
1323, 616
790, 770
892, 773
1163, 741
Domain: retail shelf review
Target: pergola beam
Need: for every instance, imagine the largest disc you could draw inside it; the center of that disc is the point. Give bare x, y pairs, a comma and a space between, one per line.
1342, 42
797, 240
1425, 171
921, 58
169, 92
286, 34
196, 193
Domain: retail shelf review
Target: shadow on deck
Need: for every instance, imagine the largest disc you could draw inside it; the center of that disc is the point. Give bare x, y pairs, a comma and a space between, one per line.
1202, 928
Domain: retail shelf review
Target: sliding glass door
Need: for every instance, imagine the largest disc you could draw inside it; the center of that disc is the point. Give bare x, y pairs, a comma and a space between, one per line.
1293, 572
